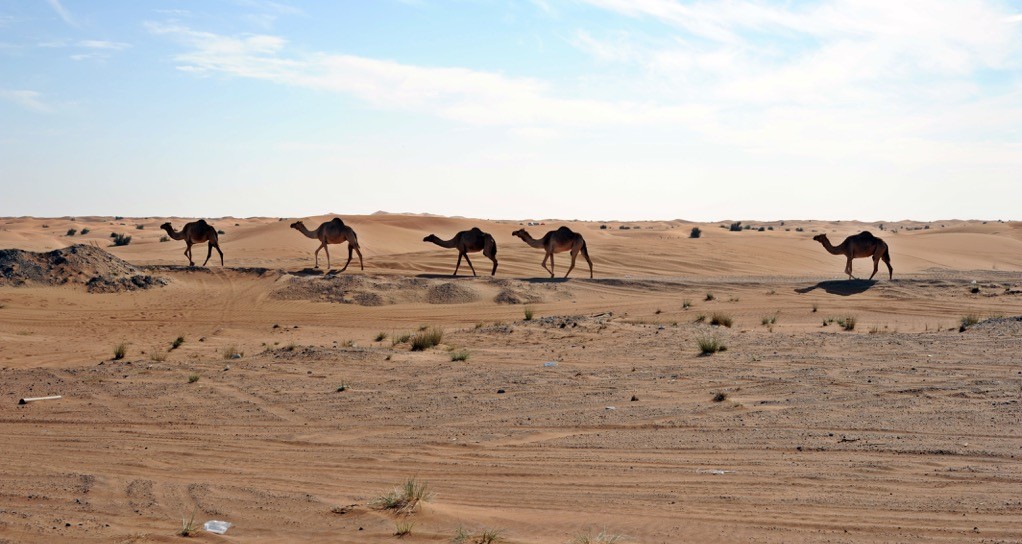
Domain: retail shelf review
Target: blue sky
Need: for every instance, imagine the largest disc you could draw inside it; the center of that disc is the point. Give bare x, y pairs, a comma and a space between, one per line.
590, 109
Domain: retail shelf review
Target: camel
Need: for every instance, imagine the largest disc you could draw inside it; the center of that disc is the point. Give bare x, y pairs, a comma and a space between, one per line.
332, 232
859, 245
558, 241
469, 241
196, 232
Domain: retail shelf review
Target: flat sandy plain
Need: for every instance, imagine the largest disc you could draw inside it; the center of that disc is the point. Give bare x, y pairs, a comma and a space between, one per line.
903, 429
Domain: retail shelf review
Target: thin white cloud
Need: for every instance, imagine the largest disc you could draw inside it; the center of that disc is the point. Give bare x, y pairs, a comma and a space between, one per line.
105, 45
62, 12
460, 94
27, 99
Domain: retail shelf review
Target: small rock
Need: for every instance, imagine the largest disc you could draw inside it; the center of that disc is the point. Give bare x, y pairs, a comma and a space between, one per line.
500, 391
610, 408
226, 368
236, 356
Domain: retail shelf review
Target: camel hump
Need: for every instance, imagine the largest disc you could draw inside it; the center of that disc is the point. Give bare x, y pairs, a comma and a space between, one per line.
202, 223
476, 230
868, 235
565, 230
337, 220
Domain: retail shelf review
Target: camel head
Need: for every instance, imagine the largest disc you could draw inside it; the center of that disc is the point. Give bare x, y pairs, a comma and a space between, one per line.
520, 233
297, 225
430, 238
820, 237
166, 226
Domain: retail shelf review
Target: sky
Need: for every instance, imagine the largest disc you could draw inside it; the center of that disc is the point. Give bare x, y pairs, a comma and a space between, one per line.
572, 109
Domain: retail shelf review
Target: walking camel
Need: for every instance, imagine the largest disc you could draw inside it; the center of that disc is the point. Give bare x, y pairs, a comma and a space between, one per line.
332, 232
469, 241
558, 241
859, 245
196, 232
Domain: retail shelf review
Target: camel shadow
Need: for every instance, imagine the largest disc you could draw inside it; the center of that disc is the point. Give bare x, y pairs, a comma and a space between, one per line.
427, 276
545, 280
842, 288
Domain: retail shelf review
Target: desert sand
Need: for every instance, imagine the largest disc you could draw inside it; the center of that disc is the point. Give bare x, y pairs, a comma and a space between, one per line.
906, 427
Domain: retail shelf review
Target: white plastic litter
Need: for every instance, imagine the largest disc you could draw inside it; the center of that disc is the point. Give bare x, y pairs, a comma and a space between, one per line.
218, 527
549, 364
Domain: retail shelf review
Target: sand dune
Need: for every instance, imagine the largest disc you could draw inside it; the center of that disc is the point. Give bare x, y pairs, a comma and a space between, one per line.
902, 429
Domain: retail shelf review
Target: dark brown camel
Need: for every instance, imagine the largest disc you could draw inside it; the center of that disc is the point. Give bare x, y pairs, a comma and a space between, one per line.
558, 241
859, 245
332, 232
196, 232
469, 241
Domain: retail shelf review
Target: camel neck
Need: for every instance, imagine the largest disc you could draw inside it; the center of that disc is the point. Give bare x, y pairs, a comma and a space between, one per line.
531, 241
305, 230
444, 243
174, 235
831, 248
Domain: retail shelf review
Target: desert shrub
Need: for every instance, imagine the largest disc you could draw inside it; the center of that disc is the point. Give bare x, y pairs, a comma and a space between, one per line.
177, 342
799, 229
231, 352
721, 319
736, 227
686, 304
121, 239
120, 350
71, 232
164, 238
600, 538
424, 340
769, 320
528, 313
405, 498
603, 227
709, 297
403, 528
85, 231
188, 526
140, 227
193, 378
720, 397
381, 337
847, 323
460, 355
709, 345
696, 232
969, 320
221, 232
700, 318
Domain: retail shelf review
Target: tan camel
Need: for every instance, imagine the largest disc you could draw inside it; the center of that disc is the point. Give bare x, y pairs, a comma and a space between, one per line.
558, 241
469, 241
332, 232
196, 232
859, 245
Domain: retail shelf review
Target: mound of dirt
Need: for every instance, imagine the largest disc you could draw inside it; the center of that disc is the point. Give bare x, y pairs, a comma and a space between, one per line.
97, 270
450, 293
516, 292
1000, 326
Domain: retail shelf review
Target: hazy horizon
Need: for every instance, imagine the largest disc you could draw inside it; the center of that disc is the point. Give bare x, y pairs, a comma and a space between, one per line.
591, 109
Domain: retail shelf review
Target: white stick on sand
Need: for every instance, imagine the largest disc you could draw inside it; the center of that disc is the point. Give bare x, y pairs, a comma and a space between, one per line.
33, 399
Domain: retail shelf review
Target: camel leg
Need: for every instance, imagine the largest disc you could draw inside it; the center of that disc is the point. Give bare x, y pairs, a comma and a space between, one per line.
574, 254
317, 254
585, 253
188, 253
470, 265
887, 261
458, 265
876, 265
221, 254
359, 251
545, 257
349, 258
326, 250
494, 272
848, 269
209, 252
551, 264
